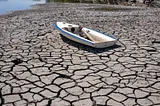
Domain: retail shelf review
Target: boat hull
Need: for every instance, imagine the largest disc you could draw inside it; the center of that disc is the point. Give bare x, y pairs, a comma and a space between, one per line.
60, 25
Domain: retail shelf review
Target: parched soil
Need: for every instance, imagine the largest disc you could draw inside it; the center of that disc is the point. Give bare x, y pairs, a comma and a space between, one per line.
39, 67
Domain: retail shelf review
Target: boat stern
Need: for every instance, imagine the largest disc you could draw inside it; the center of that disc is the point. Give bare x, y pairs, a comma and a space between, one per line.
105, 44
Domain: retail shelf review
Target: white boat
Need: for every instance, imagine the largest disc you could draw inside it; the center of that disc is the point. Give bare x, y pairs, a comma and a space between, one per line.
84, 35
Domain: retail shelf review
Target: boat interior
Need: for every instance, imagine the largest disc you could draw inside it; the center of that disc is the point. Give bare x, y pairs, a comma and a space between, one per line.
88, 34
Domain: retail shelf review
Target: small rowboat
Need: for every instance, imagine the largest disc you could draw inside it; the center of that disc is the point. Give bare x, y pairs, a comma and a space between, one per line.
85, 36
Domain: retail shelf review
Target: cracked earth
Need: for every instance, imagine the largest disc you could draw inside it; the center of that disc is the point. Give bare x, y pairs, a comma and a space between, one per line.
39, 67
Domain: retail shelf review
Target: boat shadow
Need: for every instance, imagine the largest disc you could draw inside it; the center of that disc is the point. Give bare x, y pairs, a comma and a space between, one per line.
88, 48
